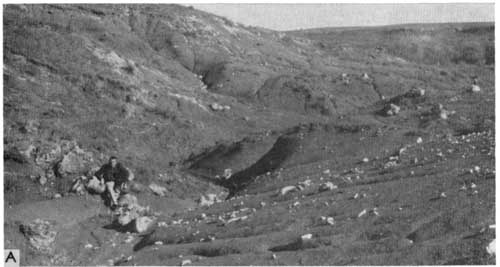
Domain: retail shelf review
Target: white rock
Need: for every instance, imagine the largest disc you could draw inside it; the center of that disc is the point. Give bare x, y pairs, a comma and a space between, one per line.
208, 200
287, 189
390, 164
94, 185
491, 248
475, 88
42, 180
327, 171
421, 91
365, 160
363, 212
128, 200
57, 195
306, 183
142, 224
393, 110
158, 190
306, 237
217, 107
129, 239
443, 114
327, 186
88, 246
330, 221
237, 219
227, 173
185, 262
126, 217
419, 140
158, 243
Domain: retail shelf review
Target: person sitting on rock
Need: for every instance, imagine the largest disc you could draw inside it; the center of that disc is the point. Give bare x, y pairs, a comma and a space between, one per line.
115, 176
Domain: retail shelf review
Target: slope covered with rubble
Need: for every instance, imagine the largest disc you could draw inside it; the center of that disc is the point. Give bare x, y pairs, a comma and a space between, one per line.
331, 146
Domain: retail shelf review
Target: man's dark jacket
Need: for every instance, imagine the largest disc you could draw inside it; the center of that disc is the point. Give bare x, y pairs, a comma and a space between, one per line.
118, 174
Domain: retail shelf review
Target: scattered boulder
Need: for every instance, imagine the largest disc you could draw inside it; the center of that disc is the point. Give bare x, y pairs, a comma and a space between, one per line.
237, 219
306, 237
290, 188
390, 164
442, 112
126, 216
362, 213
137, 187
305, 183
95, 186
128, 200
208, 200
158, 190
393, 110
491, 248
219, 107
78, 185
227, 173
131, 175
41, 235
327, 187
415, 92
73, 163
42, 180
144, 223
327, 220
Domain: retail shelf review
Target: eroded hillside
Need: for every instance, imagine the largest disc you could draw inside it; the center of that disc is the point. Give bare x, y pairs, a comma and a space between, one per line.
182, 96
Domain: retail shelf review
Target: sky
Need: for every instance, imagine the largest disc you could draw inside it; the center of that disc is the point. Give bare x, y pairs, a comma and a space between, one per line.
303, 16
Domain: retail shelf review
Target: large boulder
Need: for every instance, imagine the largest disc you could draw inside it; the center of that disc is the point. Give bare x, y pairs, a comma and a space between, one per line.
72, 163
143, 223
40, 234
128, 200
126, 216
95, 186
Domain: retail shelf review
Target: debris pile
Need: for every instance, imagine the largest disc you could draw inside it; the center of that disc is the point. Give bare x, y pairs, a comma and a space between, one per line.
133, 216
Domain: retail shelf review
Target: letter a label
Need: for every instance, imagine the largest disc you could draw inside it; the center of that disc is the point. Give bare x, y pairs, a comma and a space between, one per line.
11, 258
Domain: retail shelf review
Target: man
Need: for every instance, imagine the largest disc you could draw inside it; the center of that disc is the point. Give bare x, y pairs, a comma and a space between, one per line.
114, 176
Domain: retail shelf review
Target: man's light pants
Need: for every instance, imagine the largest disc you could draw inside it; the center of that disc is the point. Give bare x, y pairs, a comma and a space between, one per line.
110, 186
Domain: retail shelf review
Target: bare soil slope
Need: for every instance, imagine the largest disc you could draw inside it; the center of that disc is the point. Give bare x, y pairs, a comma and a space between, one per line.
181, 96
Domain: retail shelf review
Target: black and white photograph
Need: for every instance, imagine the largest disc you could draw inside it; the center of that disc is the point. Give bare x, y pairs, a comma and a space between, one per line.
238, 134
